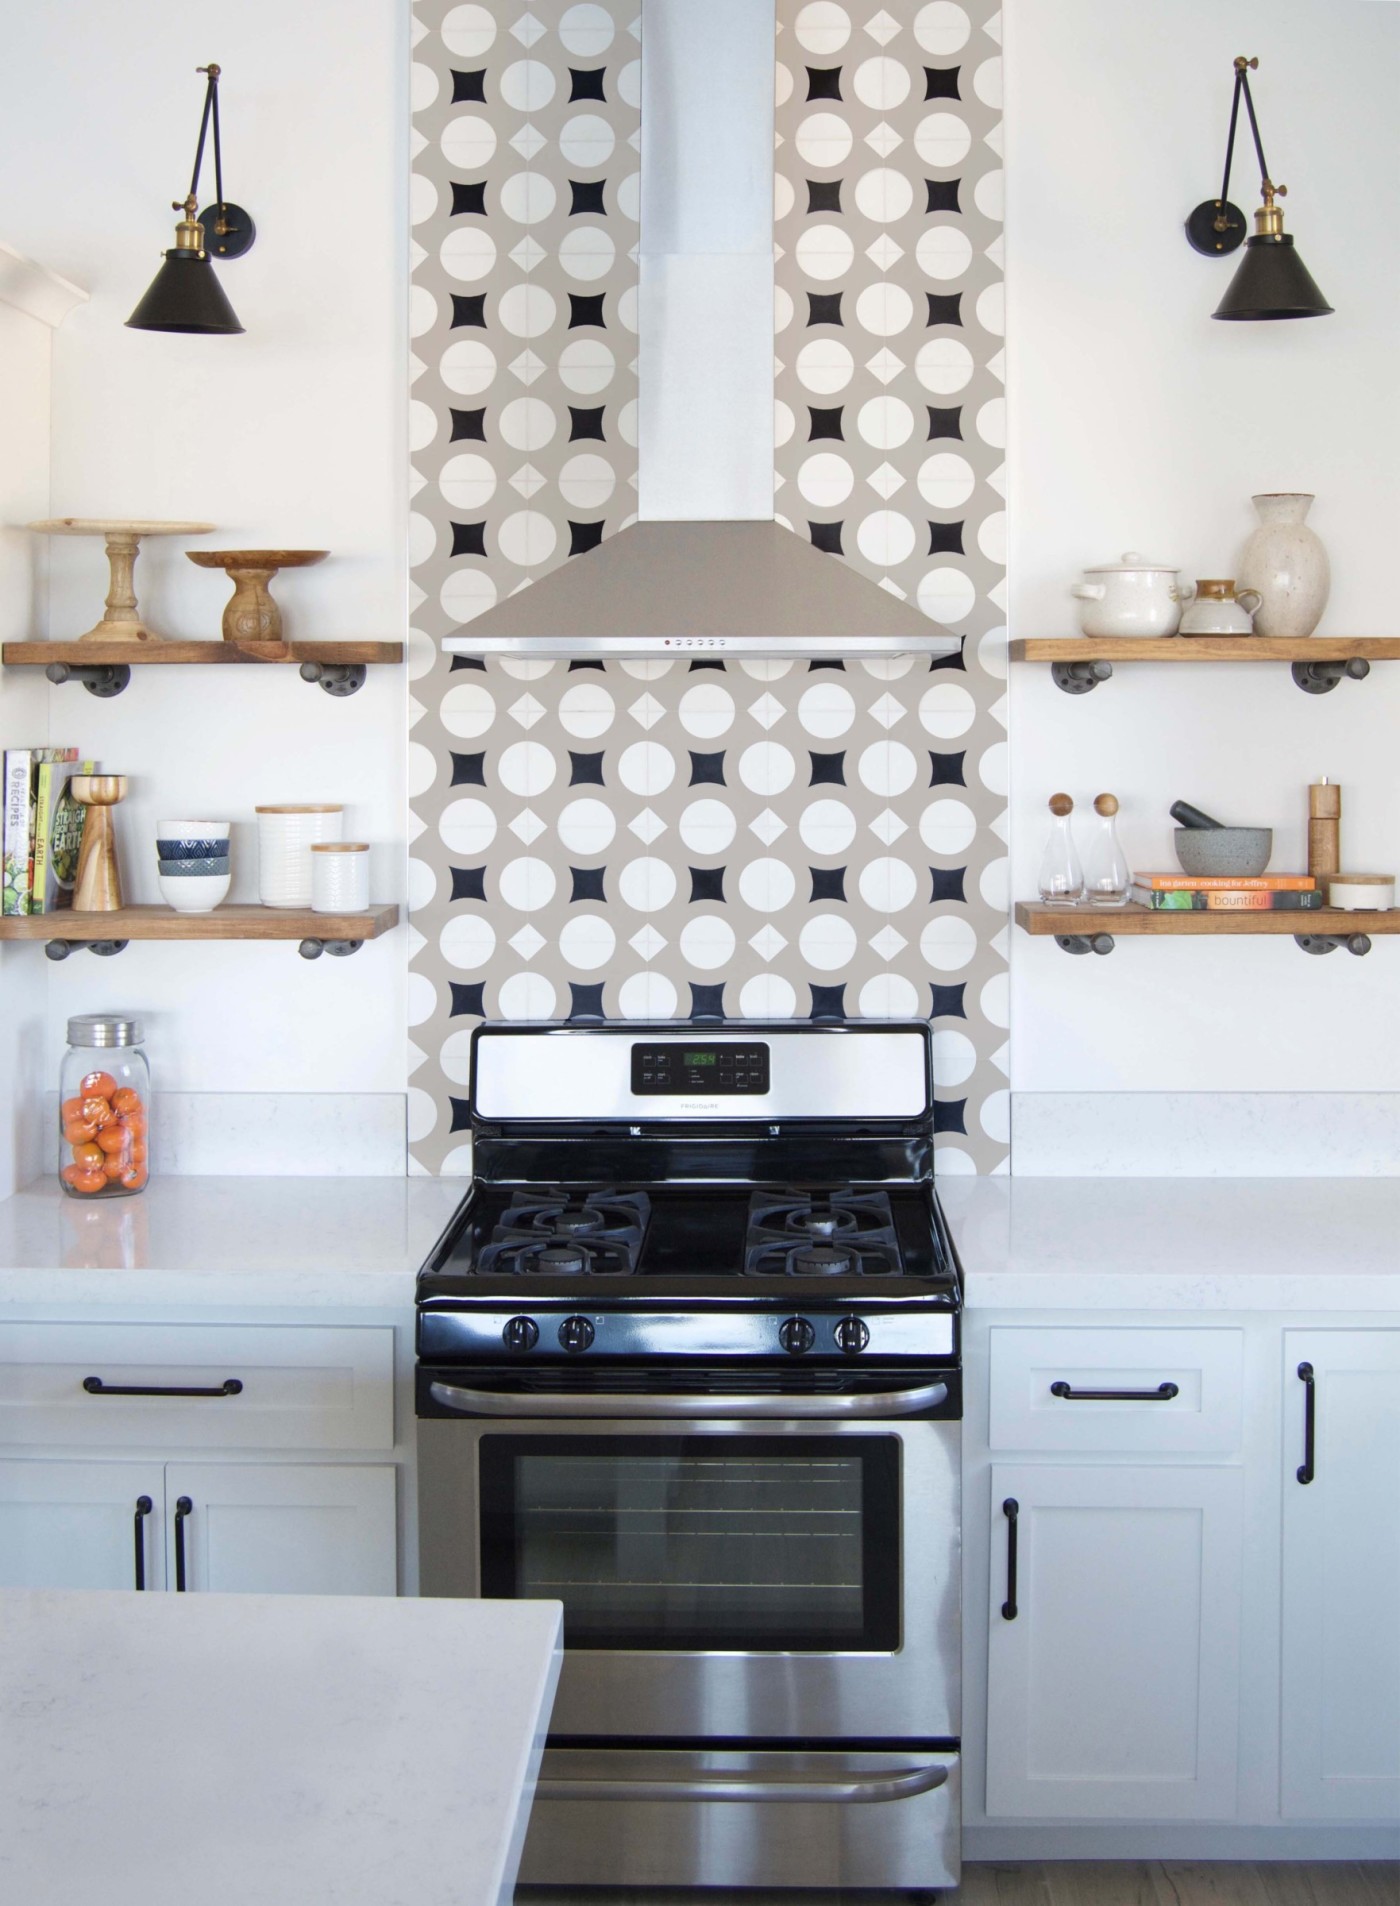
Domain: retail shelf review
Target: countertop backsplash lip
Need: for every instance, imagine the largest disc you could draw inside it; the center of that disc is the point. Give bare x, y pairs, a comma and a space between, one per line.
1206, 1134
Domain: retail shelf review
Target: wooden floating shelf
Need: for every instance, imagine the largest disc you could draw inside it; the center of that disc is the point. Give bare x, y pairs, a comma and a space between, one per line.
65, 931
1080, 663
104, 668
1080, 929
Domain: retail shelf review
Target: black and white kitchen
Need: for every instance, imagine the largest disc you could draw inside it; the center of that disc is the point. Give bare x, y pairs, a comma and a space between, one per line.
630, 1272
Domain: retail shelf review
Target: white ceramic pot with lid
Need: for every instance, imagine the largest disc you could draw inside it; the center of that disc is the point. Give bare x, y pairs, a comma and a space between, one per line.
1129, 597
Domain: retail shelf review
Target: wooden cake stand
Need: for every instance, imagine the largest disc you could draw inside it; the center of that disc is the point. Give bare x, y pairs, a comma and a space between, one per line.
250, 614
122, 622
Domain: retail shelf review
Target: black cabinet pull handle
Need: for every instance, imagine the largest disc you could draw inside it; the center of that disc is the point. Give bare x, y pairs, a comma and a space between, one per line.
1308, 1468
1162, 1394
144, 1505
1011, 1509
231, 1386
183, 1508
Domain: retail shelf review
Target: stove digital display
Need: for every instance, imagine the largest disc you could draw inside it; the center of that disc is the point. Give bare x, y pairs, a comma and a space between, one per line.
721, 1070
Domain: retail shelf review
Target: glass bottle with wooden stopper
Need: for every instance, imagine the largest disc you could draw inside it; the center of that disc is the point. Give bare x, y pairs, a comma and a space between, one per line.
1061, 876
1107, 876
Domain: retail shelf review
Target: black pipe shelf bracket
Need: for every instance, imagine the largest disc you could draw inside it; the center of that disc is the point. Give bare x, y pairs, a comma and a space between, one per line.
103, 679
335, 678
1085, 942
340, 949
1080, 678
60, 949
1320, 678
1358, 943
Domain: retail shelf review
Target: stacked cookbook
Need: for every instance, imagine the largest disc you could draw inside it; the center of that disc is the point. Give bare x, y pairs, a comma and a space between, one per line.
43, 828
1227, 893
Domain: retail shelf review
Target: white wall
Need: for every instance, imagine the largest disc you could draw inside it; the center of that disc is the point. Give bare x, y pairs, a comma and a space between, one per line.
290, 435
1138, 422
25, 343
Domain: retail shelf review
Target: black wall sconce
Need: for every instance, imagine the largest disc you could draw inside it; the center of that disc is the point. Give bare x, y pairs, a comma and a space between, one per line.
185, 294
1272, 281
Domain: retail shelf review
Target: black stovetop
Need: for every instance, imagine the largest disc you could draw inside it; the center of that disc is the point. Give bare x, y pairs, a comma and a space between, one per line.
732, 1241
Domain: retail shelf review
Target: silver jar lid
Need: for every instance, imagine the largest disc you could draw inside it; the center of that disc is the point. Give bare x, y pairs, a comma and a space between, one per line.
104, 1029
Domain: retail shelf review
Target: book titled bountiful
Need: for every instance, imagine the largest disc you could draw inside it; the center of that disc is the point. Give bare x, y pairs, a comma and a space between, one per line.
1228, 899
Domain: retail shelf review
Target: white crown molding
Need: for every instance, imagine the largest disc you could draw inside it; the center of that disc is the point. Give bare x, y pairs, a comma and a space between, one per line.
35, 289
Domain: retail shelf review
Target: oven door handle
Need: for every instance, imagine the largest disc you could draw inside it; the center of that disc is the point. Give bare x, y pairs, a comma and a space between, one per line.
927, 1396
850, 1788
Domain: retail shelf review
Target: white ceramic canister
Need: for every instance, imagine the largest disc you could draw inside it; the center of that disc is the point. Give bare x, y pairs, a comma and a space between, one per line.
1219, 608
1130, 597
340, 876
286, 836
1285, 561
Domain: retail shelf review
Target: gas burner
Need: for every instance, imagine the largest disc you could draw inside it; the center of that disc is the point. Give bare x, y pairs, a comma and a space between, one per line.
596, 1234
820, 1234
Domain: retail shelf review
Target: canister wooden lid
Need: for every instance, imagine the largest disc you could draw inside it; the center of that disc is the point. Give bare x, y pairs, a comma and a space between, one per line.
340, 847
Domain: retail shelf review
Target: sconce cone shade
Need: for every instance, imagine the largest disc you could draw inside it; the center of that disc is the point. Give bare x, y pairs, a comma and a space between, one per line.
1271, 281
186, 295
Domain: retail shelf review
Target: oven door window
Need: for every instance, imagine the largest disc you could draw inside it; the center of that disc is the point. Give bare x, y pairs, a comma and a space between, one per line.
682, 1543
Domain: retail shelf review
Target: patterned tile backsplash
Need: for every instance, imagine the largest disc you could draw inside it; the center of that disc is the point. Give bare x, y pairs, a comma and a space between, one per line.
647, 839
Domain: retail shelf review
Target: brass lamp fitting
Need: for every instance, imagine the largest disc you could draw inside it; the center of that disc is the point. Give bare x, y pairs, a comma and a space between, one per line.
189, 233
1268, 220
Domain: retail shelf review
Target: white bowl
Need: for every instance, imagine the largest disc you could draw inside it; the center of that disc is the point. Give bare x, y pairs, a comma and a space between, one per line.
192, 830
199, 893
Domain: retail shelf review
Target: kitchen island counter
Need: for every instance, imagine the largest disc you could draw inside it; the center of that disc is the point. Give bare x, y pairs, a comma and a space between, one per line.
265, 1748
1192, 1244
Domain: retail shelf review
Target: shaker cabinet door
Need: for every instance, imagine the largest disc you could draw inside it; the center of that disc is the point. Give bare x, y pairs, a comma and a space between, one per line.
1113, 1654
1341, 1575
81, 1525
282, 1528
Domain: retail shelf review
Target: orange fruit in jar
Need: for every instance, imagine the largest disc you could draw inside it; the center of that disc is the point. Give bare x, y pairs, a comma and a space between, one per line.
79, 1133
125, 1100
136, 1124
97, 1111
112, 1169
99, 1085
89, 1181
88, 1157
134, 1176
114, 1138
70, 1173
71, 1109
138, 1151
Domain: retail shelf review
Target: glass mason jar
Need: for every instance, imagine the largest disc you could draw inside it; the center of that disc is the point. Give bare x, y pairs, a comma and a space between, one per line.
104, 1097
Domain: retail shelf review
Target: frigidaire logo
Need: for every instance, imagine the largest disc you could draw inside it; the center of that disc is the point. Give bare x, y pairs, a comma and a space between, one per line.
699, 1105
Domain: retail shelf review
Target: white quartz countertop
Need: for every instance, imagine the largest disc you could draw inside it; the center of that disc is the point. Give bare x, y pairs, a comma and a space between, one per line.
220, 1241
1025, 1243
1314, 1244
252, 1750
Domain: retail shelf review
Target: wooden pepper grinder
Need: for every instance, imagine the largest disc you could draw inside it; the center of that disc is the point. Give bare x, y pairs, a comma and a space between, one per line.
99, 884
1324, 828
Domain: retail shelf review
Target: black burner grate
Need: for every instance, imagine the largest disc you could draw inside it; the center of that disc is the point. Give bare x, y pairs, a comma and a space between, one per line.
793, 1233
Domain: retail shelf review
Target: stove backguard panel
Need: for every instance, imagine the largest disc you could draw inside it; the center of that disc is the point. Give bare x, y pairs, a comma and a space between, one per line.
767, 838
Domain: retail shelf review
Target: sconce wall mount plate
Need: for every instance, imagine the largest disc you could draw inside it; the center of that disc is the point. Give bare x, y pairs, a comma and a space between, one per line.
1216, 227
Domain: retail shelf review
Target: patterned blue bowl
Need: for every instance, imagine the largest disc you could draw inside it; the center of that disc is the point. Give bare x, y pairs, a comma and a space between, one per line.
193, 869
192, 849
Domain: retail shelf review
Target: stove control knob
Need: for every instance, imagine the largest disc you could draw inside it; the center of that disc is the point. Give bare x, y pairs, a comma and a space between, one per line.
852, 1335
575, 1333
520, 1333
796, 1335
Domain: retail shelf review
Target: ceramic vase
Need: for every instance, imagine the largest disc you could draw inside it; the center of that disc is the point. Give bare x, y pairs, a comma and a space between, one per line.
1286, 563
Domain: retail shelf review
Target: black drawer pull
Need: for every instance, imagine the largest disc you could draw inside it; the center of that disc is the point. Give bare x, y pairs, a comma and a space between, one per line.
1011, 1509
183, 1508
1162, 1394
1308, 1468
231, 1386
144, 1505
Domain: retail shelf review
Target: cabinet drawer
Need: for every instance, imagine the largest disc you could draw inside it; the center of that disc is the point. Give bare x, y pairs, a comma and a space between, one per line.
297, 1388
1039, 1377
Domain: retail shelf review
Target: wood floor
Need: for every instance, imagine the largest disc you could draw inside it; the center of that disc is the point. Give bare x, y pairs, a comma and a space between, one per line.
1179, 1883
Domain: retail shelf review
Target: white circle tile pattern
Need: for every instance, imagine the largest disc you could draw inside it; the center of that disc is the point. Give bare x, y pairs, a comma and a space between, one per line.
650, 838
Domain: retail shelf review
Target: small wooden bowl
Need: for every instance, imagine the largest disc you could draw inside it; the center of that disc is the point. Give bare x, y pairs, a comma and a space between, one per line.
98, 790
250, 615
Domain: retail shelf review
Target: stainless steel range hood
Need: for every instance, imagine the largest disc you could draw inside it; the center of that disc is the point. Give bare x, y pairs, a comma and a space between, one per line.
669, 589
705, 568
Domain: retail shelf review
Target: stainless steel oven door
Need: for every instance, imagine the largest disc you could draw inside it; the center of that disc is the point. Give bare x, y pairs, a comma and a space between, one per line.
723, 1579
810, 1820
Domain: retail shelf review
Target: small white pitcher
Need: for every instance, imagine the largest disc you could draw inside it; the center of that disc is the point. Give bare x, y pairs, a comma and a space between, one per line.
1218, 608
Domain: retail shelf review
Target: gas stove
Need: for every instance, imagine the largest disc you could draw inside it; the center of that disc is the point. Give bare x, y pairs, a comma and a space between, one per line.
650, 1193
688, 1363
